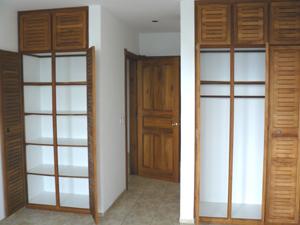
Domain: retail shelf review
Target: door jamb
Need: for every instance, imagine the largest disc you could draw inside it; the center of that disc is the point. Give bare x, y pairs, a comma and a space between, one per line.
132, 56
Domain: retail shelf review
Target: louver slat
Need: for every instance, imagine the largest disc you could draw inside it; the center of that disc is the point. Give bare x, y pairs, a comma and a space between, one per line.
214, 24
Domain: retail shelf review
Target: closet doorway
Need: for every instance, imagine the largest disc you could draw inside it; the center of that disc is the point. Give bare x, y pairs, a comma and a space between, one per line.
152, 116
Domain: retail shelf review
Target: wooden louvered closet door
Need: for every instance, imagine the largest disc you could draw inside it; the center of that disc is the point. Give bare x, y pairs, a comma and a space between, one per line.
283, 155
91, 107
12, 132
250, 23
214, 24
70, 30
285, 23
35, 31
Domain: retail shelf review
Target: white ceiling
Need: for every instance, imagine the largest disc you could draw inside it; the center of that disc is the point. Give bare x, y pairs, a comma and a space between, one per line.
138, 14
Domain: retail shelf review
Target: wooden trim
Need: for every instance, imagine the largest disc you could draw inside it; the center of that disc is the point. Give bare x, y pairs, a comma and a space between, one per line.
54, 118
60, 209
41, 174
130, 55
231, 133
197, 135
73, 177
266, 132
37, 83
64, 145
29, 143
72, 83
230, 221
198, 2
68, 9
236, 82
126, 117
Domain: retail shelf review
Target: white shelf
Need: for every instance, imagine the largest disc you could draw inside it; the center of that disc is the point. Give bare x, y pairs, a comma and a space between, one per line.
246, 211
74, 171
44, 198
43, 169
213, 209
72, 142
71, 112
41, 141
74, 200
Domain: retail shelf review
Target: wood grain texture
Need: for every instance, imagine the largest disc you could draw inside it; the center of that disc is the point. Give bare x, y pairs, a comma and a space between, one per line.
283, 162
35, 31
214, 24
250, 23
12, 132
133, 116
92, 143
285, 23
158, 108
70, 30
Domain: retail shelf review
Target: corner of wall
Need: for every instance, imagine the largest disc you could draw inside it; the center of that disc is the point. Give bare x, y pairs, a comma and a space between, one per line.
187, 110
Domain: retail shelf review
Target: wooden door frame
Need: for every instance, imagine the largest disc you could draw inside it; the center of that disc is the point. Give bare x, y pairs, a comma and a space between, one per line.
132, 56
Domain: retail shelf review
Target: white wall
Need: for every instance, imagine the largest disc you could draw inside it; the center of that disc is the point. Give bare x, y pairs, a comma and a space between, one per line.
9, 42
114, 37
160, 44
187, 111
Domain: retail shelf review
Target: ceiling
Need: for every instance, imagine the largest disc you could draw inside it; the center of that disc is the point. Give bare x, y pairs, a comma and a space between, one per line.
138, 14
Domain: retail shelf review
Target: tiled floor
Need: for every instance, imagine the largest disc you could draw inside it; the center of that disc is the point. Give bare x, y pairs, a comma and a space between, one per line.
148, 201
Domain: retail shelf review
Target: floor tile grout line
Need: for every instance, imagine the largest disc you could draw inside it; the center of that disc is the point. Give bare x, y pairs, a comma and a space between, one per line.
159, 204
136, 202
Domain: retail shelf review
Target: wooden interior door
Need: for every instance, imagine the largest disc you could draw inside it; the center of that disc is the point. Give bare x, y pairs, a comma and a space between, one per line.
11, 108
283, 155
92, 153
158, 118
133, 116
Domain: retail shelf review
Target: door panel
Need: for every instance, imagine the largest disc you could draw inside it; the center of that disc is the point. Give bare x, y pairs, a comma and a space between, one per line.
35, 31
158, 109
283, 162
92, 153
12, 132
285, 23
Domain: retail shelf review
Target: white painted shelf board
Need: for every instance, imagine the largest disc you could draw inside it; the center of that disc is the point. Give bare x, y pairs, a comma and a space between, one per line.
44, 198
246, 211
70, 112
74, 200
213, 209
74, 171
41, 140
43, 169
72, 141
47, 112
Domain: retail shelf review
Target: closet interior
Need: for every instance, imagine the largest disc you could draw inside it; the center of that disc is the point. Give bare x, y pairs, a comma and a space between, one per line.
56, 128
232, 109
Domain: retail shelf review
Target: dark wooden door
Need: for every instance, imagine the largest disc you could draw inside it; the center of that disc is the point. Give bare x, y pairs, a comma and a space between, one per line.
92, 153
12, 134
283, 156
133, 116
158, 118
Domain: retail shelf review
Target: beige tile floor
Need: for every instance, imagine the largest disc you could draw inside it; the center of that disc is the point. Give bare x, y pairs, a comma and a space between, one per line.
147, 201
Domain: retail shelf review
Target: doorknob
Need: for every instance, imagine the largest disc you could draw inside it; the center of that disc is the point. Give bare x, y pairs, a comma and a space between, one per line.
174, 124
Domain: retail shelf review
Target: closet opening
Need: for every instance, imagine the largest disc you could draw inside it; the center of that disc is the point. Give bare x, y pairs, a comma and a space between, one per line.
232, 86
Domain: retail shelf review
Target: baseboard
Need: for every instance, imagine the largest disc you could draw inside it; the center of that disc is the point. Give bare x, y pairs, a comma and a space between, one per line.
188, 221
